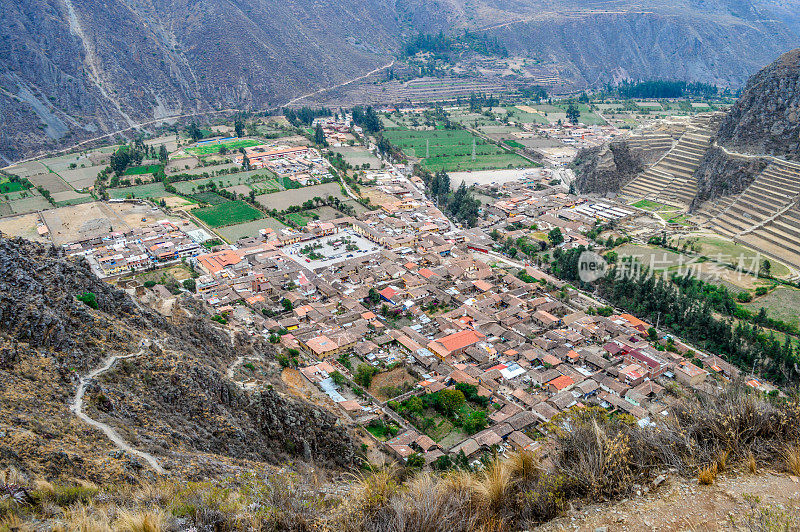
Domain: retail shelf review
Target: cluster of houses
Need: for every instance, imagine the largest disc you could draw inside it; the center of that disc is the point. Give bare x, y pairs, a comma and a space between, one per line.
302, 164
425, 300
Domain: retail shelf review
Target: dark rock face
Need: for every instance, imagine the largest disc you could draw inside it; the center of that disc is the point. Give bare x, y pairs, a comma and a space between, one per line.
766, 118
607, 168
720, 174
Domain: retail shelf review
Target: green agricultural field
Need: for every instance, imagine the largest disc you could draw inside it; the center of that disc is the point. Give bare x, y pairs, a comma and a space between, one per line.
451, 150
7, 186
297, 218
227, 180
212, 198
149, 190
213, 147
783, 304
514, 144
229, 213
146, 169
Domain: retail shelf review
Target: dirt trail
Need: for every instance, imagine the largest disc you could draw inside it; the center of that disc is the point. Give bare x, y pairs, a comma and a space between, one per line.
77, 408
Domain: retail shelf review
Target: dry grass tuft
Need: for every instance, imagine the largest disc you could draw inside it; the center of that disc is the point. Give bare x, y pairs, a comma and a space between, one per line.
493, 488
707, 475
751, 463
82, 518
722, 461
152, 521
524, 466
791, 457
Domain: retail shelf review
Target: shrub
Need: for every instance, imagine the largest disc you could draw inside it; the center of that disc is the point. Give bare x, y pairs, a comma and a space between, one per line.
89, 299
149, 284
744, 297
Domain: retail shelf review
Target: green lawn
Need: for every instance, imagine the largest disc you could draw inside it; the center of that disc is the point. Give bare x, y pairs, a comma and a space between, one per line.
229, 213
146, 169
648, 205
730, 252
213, 147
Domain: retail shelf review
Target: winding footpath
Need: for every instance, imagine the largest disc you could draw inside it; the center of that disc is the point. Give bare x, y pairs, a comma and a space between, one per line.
76, 406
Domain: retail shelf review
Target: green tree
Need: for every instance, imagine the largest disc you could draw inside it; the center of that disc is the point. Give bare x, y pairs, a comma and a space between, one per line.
338, 378
573, 113
364, 375
287, 305
555, 236
190, 285
766, 267
319, 135
238, 125
451, 400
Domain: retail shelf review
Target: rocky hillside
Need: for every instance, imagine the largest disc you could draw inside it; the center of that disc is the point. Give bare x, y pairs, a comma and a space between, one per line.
766, 118
172, 401
721, 174
75, 69
607, 168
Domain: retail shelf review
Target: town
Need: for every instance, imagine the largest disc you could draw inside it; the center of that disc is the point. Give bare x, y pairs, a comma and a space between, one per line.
440, 332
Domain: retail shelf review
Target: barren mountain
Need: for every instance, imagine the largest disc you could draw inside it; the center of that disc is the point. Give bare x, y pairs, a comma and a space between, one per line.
76, 69
766, 119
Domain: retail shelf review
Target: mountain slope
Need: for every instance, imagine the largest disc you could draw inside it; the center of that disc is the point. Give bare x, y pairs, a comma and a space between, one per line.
173, 401
76, 69
766, 118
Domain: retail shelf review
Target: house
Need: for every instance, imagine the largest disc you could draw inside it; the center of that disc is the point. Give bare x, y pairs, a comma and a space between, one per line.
454, 344
560, 384
689, 374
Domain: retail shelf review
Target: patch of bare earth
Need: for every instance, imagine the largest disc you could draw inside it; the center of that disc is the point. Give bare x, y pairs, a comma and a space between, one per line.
680, 504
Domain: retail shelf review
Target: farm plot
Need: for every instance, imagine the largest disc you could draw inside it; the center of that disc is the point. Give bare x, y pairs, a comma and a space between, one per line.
229, 213
143, 169
208, 148
27, 169
70, 197
205, 171
226, 180
232, 233
358, 156
783, 304
296, 196
211, 198
79, 178
452, 150
30, 204
149, 190
50, 181
24, 225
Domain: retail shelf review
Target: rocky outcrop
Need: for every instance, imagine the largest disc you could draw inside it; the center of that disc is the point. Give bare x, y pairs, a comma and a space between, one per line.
766, 118
720, 174
607, 168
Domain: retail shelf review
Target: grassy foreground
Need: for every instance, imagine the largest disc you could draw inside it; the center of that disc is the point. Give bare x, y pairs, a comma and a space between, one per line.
596, 457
